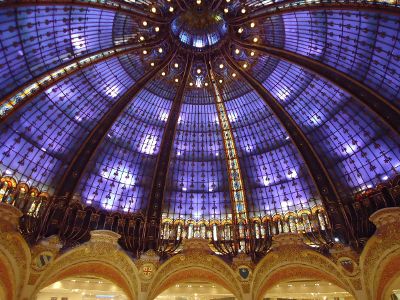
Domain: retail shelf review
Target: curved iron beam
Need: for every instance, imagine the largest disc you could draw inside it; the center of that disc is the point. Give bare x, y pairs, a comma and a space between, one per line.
23, 95
112, 5
153, 215
326, 188
216, 4
365, 95
90, 144
182, 5
290, 6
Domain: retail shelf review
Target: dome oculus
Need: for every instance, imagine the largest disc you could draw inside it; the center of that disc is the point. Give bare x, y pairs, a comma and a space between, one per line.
199, 29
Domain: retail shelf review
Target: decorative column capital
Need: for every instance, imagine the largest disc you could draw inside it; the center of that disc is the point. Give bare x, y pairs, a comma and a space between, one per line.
9, 218
104, 236
150, 256
196, 245
385, 216
287, 239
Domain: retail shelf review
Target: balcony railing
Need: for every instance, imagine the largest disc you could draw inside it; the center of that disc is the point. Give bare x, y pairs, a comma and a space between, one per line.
43, 216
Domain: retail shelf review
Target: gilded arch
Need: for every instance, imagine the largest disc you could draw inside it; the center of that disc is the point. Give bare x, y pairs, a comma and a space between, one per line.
192, 266
289, 259
295, 271
381, 255
95, 268
15, 257
99, 257
387, 274
7, 280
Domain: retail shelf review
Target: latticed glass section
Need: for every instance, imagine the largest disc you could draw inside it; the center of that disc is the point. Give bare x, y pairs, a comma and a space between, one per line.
232, 121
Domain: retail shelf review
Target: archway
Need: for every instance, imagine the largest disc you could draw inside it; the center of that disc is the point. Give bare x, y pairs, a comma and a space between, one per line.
196, 264
94, 269
100, 257
393, 289
195, 290
389, 278
82, 288
15, 255
7, 286
196, 275
289, 274
307, 289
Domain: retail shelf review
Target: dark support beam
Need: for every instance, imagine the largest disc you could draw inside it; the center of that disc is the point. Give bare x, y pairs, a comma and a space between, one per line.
113, 5
316, 168
64, 70
182, 4
90, 144
153, 214
290, 6
365, 95
216, 4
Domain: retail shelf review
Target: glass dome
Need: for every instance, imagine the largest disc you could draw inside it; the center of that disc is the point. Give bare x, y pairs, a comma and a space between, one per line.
294, 107
199, 28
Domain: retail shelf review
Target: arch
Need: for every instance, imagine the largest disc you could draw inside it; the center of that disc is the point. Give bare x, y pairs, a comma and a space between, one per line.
98, 269
191, 274
10, 180
100, 257
194, 266
15, 255
289, 214
387, 275
23, 187
381, 253
290, 259
7, 280
296, 272
277, 217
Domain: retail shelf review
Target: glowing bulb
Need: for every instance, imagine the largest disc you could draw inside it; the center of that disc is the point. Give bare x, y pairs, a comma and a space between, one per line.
152, 64
157, 29
226, 10
252, 24
176, 65
227, 1
160, 50
171, 9
221, 66
144, 23
240, 30
206, 84
198, 2
245, 65
237, 51
153, 10
243, 11
141, 38
163, 74
176, 80
220, 81
191, 84
252, 53
255, 40
144, 52
233, 74
198, 71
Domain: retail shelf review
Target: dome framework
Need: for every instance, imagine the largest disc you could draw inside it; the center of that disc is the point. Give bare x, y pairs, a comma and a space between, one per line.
265, 132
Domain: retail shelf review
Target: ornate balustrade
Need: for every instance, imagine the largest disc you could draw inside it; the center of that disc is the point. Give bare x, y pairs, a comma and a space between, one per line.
367, 202
254, 238
43, 216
